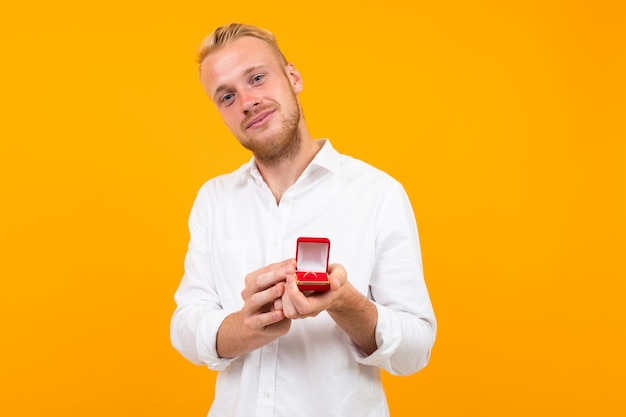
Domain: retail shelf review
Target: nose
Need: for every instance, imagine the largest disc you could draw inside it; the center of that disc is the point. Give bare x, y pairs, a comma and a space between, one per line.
249, 101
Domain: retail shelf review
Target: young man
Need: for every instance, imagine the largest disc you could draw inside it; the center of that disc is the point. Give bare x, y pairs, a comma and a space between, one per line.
281, 351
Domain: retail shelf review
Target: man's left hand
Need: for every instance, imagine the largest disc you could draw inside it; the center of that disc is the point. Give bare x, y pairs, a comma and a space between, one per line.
297, 305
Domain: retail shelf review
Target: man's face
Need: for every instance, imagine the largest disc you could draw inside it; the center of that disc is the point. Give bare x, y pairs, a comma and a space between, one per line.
256, 96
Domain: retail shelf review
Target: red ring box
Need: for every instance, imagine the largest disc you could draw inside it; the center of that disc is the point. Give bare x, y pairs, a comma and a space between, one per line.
312, 263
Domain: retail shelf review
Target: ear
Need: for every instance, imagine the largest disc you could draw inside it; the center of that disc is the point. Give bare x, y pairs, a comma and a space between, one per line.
294, 78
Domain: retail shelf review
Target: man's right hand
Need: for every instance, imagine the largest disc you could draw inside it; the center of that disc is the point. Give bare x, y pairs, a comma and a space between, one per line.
261, 320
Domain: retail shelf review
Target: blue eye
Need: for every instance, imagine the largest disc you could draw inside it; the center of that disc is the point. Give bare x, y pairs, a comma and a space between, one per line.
258, 78
227, 97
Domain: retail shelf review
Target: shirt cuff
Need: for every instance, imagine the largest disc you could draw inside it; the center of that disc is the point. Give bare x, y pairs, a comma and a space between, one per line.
388, 338
206, 342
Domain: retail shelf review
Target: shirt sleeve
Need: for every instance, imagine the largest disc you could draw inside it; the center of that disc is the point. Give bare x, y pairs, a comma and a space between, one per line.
406, 327
199, 313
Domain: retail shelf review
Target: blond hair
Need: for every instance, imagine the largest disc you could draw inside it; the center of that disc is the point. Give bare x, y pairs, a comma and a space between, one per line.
224, 35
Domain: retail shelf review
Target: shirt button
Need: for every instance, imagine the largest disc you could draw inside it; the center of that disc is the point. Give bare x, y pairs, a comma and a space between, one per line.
274, 243
266, 393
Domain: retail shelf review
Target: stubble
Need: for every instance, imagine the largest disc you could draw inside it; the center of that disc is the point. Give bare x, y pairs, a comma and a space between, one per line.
283, 145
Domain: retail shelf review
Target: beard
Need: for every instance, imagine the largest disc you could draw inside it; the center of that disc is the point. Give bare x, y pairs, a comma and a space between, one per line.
281, 145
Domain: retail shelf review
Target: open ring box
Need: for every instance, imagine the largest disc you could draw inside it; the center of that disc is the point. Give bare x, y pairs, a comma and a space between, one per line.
312, 263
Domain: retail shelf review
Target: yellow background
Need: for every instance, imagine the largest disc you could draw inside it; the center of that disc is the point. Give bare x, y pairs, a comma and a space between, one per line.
504, 120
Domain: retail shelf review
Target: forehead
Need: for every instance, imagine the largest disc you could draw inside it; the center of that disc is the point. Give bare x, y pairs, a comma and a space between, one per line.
232, 61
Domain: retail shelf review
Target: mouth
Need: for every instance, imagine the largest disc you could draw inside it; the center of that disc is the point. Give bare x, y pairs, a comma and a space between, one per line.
259, 119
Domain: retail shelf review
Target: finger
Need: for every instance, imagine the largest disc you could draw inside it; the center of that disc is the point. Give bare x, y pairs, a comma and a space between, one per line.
288, 308
337, 276
263, 300
278, 329
267, 276
296, 304
271, 269
278, 303
263, 320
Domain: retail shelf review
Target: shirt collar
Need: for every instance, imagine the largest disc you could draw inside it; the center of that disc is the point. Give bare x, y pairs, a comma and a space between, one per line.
327, 158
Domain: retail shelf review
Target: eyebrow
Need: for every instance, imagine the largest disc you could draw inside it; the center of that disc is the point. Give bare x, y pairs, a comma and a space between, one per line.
247, 72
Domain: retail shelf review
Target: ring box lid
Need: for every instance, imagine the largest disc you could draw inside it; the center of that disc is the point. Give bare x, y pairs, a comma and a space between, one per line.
312, 255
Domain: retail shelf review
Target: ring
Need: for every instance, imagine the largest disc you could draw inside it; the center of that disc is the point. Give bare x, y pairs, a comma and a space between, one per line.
307, 273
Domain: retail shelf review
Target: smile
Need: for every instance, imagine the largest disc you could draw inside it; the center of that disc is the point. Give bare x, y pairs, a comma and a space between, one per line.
259, 119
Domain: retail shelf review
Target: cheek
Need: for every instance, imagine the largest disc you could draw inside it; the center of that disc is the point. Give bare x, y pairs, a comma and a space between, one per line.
229, 117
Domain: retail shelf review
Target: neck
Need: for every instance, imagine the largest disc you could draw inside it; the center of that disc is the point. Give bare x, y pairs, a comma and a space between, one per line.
282, 174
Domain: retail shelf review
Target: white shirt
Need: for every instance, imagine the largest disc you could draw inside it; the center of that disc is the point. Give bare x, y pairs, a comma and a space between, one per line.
236, 227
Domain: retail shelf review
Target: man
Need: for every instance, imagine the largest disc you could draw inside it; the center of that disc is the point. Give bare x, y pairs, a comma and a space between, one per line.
281, 351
